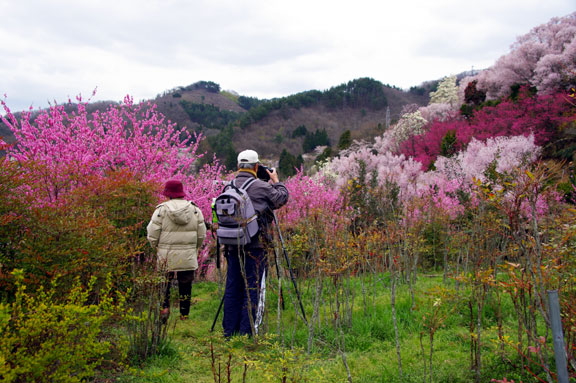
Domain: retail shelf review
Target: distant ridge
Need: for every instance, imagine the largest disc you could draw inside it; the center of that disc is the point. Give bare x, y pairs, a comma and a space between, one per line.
232, 122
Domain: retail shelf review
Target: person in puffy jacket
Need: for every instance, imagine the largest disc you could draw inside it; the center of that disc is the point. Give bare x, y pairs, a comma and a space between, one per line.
177, 231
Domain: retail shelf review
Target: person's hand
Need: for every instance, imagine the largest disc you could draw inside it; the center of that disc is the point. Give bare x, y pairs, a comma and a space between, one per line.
273, 175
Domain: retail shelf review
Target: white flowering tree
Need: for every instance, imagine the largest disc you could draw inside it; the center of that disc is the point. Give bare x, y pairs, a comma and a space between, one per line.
447, 92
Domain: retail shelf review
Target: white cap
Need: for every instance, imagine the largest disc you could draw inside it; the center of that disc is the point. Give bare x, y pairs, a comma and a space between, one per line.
248, 157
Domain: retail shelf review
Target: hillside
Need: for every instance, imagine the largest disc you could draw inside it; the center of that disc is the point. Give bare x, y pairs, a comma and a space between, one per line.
275, 132
232, 122
293, 123
171, 104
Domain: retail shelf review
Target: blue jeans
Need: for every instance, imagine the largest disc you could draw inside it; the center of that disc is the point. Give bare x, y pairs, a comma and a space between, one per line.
236, 316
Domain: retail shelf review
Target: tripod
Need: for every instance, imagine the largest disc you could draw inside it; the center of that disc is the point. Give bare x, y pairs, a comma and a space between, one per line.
277, 271
289, 268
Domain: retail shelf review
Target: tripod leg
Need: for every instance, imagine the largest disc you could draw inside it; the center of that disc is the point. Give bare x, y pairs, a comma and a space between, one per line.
290, 268
217, 314
279, 276
221, 301
261, 303
217, 253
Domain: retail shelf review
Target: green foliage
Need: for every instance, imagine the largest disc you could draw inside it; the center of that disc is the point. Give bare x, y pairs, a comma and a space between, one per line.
516, 88
418, 90
268, 362
48, 337
12, 212
209, 116
209, 86
288, 163
425, 88
325, 155
312, 140
360, 93
300, 131
223, 147
368, 340
345, 140
94, 232
448, 145
567, 186
263, 109
467, 111
278, 138
147, 329
374, 204
248, 102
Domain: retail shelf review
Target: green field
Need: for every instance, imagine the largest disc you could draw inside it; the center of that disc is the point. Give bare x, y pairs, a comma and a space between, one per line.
193, 354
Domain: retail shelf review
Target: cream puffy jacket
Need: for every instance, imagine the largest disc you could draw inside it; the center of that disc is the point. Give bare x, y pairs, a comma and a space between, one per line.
177, 231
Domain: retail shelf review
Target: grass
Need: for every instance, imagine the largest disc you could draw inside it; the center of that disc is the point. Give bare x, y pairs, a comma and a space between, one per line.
370, 345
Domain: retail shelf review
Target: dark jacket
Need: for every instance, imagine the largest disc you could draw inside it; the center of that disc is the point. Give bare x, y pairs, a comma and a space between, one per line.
265, 198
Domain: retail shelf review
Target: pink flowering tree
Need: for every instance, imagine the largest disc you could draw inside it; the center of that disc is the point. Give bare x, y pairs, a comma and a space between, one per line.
542, 116
68, 148
310, 197
379, 159
504, 154
544, 58
438, 111
61, 151
440, 188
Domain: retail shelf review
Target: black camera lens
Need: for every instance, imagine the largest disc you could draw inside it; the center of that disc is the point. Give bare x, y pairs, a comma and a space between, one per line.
262, 173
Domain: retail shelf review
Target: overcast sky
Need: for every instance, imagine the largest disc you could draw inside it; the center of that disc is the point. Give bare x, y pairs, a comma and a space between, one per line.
56, 49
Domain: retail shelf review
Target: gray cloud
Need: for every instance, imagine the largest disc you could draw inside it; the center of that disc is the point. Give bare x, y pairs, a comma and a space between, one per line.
55, 49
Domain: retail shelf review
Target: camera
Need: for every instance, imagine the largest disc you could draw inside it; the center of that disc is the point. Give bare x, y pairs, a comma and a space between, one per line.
262, 173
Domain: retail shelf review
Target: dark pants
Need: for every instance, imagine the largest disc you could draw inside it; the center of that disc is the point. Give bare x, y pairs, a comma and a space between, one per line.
185, 279
236, 318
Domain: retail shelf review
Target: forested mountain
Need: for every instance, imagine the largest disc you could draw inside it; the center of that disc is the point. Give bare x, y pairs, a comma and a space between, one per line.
295, 124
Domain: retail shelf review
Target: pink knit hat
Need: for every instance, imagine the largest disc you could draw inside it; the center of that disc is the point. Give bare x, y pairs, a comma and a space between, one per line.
174, 189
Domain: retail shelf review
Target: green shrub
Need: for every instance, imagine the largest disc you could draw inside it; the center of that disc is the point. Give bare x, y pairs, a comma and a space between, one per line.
146, 329
47, 337
12, 207
70, 241
95, 231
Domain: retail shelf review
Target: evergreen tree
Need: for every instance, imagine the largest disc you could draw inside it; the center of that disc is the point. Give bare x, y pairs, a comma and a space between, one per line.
223, 148
345, 140
287, 164
448, 144
300, 131
248, 102
312, 140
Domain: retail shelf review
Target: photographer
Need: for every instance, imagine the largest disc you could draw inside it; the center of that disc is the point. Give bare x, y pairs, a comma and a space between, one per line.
251, 258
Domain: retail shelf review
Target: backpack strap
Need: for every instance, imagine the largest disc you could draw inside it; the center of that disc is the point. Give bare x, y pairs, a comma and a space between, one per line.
247, 184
